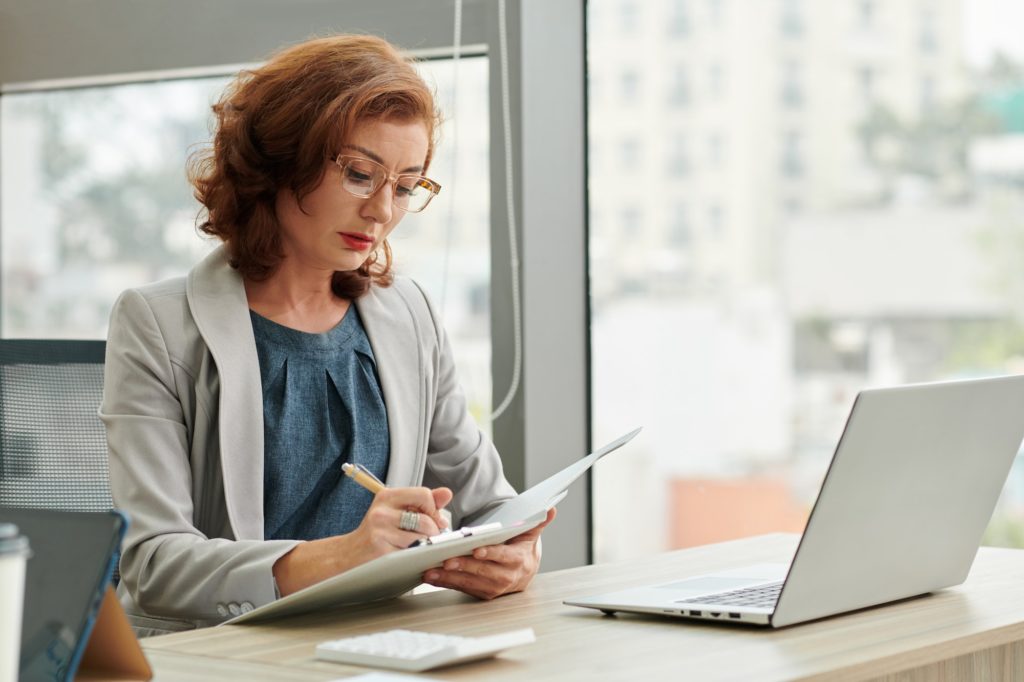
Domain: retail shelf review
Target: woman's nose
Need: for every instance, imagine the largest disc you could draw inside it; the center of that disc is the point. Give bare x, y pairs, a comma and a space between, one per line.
380, 205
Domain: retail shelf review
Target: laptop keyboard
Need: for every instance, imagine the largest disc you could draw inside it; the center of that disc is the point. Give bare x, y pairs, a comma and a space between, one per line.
760, 596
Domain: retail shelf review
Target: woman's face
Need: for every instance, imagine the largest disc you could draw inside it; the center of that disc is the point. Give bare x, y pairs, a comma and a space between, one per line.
335, 230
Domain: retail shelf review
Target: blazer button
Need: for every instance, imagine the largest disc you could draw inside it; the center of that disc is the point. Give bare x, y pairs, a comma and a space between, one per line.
222, 610
233, 608
247, 607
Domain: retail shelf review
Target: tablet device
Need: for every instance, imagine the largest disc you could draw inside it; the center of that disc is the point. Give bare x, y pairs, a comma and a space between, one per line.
67, 579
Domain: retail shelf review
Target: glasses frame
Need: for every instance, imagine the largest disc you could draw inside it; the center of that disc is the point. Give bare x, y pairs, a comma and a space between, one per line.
341, 160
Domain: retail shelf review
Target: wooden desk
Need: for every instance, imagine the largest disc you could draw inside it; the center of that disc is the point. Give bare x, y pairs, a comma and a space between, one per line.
971, 632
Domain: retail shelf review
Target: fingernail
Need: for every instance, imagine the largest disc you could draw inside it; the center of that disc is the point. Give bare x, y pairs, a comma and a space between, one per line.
454, 565
431, 576
481, 553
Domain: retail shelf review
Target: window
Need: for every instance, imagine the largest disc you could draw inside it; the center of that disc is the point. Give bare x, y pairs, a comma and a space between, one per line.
866, 10
680, 232
866, 77
679, 157
792, 93
792, 160
716, 219
679, 87
679, 19
716, 12
743, 376
791, 24
95, 200
928, 41
716, 80
927, 95
630, 154
631, 220
629, 16
630, 86
716, 150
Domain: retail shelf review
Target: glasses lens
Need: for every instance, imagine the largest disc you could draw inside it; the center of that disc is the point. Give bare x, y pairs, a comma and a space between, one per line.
413, 193
361, 177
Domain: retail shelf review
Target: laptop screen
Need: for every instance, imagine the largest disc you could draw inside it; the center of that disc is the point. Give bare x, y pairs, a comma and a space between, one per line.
72, 560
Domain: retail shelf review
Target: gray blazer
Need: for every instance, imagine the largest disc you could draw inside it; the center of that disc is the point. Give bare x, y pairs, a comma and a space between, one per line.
183, 408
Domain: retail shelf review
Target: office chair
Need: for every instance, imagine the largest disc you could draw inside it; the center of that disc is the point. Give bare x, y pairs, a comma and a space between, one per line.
53, 446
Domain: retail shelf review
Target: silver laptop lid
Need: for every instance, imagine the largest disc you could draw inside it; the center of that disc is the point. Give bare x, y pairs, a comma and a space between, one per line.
911, 487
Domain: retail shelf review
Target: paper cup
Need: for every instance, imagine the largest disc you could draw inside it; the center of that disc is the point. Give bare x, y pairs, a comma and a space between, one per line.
14, 554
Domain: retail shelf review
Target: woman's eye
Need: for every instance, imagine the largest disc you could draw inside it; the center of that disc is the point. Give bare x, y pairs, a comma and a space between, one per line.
357, 176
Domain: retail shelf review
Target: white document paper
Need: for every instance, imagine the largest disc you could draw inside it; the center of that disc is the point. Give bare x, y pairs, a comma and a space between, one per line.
551, 490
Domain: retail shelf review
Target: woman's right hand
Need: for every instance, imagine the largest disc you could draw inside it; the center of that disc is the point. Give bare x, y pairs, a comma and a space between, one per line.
378, 534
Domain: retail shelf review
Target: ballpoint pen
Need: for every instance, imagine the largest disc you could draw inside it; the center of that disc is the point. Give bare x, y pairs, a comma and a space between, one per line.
364, 477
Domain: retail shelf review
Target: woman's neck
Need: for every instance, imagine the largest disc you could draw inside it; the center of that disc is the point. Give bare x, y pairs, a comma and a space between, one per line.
303, 301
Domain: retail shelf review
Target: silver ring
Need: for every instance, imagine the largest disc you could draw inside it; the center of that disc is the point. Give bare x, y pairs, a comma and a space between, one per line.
409, 520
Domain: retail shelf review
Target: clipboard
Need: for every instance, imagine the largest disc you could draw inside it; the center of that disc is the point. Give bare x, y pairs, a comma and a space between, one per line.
396, 573
385, 577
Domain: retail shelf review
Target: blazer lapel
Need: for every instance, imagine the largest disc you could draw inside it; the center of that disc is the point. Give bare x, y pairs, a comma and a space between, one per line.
216, 297
395, 342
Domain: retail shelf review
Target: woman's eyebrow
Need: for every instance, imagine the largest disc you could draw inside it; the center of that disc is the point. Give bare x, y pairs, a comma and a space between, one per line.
376, 157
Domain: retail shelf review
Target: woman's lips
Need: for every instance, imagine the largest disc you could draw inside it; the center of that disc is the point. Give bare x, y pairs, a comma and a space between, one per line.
356, 240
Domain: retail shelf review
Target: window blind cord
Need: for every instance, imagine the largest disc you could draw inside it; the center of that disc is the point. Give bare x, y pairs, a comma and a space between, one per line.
506, 115
449, 230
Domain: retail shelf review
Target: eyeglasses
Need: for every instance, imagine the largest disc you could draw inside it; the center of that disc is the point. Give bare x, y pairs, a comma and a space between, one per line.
363, 178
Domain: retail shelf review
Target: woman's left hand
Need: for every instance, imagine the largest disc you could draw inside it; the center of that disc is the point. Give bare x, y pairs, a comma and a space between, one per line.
496, 569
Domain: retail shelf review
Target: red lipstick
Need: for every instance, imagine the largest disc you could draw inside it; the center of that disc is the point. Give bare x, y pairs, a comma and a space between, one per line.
356, 240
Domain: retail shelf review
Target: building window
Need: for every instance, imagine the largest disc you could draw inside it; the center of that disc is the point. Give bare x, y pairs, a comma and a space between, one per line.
679, 157
679, 19
716, 220
866, 76
927, 94
716, 80
680, 233
792, 92
716, 11
791, 23
866, 13
629, 16
792, 163
928, 41
631, 219
630, 85
679, 87
630, 153
716, 150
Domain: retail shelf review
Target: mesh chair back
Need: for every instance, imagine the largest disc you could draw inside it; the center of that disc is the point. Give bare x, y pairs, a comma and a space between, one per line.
53, 447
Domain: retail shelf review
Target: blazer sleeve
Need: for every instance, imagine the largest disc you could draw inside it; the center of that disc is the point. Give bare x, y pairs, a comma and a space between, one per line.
459, 455
168, 566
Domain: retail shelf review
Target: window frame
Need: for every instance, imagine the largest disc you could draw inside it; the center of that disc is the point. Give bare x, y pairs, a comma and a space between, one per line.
52, 43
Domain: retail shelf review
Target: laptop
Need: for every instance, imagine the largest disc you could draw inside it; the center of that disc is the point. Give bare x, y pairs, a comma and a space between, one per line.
73, 627
901, 511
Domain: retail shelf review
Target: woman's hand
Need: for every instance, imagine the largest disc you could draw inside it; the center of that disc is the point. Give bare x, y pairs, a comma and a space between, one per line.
378, 534
494, 570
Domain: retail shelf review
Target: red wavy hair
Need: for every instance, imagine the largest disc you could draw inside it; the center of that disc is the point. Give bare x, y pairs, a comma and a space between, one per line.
275, 126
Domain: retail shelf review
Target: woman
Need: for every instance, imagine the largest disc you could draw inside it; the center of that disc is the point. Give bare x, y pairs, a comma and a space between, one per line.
234, 395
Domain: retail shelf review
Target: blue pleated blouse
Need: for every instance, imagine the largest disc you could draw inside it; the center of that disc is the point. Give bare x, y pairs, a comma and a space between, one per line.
322, 406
